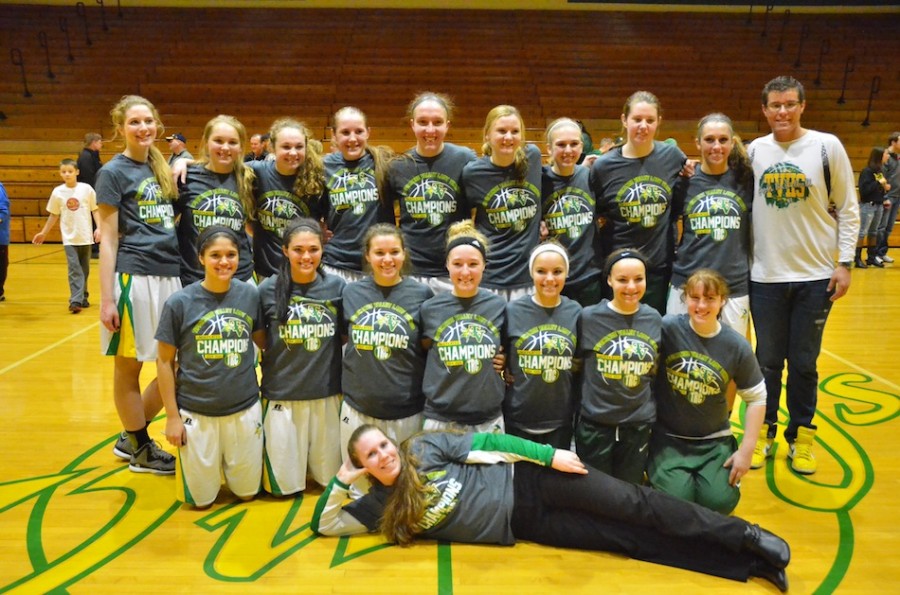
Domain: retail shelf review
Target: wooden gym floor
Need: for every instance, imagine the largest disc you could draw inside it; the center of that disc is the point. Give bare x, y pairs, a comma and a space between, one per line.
73, 519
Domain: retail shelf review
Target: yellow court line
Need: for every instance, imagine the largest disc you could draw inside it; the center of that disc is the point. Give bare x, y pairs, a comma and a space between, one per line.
862, 370
47, 348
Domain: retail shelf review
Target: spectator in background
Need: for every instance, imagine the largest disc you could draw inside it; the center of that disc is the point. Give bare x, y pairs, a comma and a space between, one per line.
4, 239
74, 205
587, 142
891, 172
873, 207
177, 144
606, 144
257, 149
267, 146
89, 159
88, 164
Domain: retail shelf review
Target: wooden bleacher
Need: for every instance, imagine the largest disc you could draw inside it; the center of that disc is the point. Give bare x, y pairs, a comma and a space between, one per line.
261, 64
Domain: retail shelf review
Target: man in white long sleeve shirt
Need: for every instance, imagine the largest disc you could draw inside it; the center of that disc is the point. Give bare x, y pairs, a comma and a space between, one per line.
801, 259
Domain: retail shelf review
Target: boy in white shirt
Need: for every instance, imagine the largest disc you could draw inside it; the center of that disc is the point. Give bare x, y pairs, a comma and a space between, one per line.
73, 203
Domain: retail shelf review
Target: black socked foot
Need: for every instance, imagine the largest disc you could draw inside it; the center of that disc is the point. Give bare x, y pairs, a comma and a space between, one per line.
767, 546
777, 576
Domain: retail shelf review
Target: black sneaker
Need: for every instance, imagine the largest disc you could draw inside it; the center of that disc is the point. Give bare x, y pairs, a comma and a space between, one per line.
74, 308
123, 448
150, 458
85, 304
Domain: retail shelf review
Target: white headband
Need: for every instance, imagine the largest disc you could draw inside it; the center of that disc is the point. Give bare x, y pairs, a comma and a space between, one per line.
548, 247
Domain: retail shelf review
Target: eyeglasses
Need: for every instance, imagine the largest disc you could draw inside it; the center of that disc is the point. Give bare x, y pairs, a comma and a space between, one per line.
788, 106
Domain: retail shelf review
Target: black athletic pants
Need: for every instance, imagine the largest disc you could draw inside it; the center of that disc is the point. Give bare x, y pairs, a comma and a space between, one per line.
598, 512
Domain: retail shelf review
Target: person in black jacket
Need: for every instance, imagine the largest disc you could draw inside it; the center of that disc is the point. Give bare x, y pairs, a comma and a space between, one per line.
872, 206
88, 166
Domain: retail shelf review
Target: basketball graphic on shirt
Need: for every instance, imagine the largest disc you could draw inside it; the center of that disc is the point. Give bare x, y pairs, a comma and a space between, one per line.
512, 205
625, 356
73, 204
469, 341
695, 376
431, 198
569, 212
715, 213
219, 206
223, 335
643, 200
380, 328
545, 351
277, 208
152, 207
308, 323
352, 191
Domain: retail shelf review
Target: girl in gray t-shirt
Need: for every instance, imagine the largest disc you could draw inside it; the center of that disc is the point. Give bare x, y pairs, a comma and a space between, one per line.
463, 332
217, 191
213, 414
384, 359
425, 183
542, 347
286, 188
618, 340
301, 366
503, 192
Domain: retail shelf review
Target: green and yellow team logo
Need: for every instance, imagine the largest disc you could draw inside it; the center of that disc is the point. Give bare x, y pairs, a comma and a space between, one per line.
380, 328
783, 184
569, 213
277, 208
352, 190
625, 357
431, 198
715, 214
223, 335
695, 376
153, 209
643, 200
546, 351
219, 206
309, 324
469, 341
512, 205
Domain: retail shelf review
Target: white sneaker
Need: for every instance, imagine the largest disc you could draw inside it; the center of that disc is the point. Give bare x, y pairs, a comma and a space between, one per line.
886, 259
879, 260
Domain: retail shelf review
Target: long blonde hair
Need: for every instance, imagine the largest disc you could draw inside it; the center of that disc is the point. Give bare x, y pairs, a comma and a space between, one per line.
520, 164
242, 173
310, 179
155, 159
